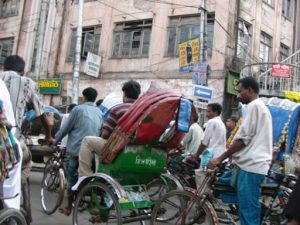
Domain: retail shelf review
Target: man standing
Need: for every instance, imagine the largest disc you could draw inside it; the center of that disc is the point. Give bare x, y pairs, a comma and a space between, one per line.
23, 93
84, 120
251, 151
192, 139
12, 184
131, 91
214, 136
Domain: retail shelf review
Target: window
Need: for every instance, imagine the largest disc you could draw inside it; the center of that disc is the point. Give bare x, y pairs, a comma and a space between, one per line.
9, 8
90, 42
132, 39
6, 47
284, 52
244, 40
265, 49
287, 9
182, 29
269, 2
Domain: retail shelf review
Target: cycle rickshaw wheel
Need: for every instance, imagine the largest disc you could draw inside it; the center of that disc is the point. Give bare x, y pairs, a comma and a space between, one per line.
52, 189
182, 208
12, 216
97, 204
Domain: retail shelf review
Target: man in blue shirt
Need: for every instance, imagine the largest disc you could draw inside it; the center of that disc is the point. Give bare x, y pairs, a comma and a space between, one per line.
84, 120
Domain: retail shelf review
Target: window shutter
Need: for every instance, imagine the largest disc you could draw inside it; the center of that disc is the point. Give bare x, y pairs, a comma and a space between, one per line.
88, 44
146, 42
126, 43
116, 47
172, 42
97, 34
71, 54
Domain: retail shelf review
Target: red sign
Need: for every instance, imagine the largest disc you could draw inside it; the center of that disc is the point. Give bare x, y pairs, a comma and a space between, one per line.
281, 70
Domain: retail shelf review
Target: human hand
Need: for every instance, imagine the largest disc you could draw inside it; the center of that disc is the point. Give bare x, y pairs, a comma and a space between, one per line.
52, 142
213, 163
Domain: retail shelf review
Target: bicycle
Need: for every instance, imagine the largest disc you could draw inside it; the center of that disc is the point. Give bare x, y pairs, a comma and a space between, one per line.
54, 181
204, 205
11, 216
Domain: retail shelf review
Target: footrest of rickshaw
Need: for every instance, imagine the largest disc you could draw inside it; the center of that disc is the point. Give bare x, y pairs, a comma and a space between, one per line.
137, 198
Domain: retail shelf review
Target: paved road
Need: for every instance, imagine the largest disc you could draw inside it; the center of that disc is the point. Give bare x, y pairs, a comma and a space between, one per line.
40, 218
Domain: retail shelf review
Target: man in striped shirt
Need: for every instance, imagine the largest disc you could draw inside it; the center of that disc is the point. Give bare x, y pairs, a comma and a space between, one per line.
131, 91
23, 93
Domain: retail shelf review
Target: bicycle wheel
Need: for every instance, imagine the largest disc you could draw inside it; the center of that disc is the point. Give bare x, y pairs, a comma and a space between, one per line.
97, 204
182, 208
12, 216
158, 188
52, 189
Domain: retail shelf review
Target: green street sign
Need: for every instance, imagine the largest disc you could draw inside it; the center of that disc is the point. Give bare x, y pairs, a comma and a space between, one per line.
233, 79
50, 86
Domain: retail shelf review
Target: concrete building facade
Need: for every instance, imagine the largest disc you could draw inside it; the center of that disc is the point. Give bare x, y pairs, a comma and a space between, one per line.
138, 39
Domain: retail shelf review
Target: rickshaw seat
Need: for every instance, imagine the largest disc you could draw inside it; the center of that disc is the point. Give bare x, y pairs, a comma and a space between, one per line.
143, 123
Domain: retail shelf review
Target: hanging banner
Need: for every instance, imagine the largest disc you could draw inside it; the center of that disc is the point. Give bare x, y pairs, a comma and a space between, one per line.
188, 54
281, 70
92, 65
200, 73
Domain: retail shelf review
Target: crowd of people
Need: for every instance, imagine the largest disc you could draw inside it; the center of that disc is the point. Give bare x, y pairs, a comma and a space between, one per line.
247, 142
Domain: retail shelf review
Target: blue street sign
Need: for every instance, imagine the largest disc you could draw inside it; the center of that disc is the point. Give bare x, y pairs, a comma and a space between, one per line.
203, 92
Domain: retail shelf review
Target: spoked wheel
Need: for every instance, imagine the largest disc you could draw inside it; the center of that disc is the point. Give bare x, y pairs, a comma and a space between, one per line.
159, 187
182, 208
97, 204
12, 216
52, 189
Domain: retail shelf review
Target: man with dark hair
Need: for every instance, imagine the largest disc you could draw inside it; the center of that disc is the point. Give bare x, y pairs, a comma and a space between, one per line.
14, 63
214, 137
131, 91
24, 95
84, 120
251, 151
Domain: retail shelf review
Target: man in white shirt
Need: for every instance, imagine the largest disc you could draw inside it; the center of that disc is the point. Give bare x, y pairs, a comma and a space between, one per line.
12, 184
251, 151
214, 136
192, 139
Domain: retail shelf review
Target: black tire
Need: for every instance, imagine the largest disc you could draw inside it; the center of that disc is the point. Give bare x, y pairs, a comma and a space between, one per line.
52, 189
159, 187
96, 200
11, 216
182, 207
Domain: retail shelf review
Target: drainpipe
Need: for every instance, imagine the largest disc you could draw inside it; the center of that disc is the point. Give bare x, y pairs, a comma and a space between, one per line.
238, 8
59, 49
295, 27
20, 27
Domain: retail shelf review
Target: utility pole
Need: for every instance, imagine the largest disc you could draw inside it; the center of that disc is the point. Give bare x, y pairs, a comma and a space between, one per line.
76, 67
40, 39
202, 30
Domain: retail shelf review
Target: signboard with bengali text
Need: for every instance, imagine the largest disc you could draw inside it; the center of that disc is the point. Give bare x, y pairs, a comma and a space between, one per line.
281, 70
92, 65
50, 86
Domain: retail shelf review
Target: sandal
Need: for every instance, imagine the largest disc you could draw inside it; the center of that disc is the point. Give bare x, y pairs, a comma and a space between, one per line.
66, 211
97, 219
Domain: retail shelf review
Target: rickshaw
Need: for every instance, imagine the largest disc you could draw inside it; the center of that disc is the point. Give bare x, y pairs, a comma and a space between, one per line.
134, 155
286, 128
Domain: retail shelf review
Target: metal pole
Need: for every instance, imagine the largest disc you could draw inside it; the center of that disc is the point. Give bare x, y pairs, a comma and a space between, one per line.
202, 30
40, 40
76, 68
